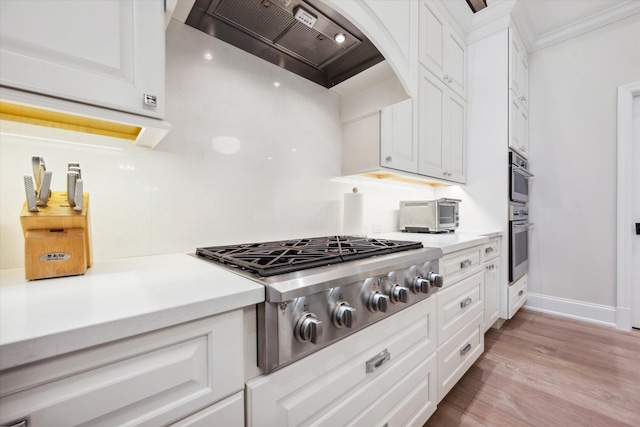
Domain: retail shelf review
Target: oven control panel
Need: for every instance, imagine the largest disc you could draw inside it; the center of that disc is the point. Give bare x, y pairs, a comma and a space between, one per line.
321, 318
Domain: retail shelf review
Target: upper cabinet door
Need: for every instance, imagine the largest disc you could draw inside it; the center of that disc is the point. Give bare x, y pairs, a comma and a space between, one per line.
442, 51
518, 69
108, 53
398, 147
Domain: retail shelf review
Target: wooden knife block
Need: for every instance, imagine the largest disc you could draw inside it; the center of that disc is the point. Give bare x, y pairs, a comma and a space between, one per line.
57, 239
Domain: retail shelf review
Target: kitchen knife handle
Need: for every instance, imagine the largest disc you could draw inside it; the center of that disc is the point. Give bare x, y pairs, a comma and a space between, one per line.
72, 177
78, 196
45, 193
30, 192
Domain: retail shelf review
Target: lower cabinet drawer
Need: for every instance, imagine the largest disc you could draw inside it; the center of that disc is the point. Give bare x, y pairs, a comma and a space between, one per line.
153, 379
228, 413
458, 265
384, 374
517, 295
459, 304
457, 355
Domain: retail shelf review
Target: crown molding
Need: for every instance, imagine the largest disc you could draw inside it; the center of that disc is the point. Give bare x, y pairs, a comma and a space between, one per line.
591, 23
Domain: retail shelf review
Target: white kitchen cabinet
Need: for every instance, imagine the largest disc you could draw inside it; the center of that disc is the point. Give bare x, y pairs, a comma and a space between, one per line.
442, 51
333, 388
491, 259
442, 140
518, 126
517, 295
518, 95
518, 68
384, 139
105, 53
458, 304
152, 379
228, 413
461, 308
397, 144
456, 356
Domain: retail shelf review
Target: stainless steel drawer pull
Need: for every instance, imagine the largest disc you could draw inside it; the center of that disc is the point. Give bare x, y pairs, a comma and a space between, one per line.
521, 292
376, 361
21, 423
464, 350
488, 250
465, 302
466, 263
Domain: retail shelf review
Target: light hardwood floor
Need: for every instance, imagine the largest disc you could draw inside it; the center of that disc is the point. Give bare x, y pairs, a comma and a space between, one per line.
544, 370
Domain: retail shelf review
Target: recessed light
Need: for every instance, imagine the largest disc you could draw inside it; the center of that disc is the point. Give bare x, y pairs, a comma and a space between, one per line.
340, 38
208, 56
276, 84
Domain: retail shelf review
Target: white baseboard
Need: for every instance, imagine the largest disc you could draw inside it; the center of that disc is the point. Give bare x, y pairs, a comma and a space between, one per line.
579, 310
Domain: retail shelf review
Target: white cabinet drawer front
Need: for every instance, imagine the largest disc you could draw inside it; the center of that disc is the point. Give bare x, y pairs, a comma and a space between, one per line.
458, 304
335, 378
457, 266
457, 355
491, 249
150, 380
517, 295
226, 413
392, 398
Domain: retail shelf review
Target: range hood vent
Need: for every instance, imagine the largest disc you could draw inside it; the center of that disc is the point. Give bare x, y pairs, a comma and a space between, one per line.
298, 35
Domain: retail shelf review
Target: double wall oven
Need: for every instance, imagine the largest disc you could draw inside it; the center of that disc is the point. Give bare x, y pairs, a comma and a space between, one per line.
519, 224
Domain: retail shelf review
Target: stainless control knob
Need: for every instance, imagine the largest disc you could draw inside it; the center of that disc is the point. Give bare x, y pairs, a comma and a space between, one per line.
343, 315
309, 329
399, 293
435, 279
420, 285
378, 302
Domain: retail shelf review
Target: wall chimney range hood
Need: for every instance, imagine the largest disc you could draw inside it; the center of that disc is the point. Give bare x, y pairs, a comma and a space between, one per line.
305, 37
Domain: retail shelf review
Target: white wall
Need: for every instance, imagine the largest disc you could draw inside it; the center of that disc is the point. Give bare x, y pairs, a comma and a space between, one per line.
573, 91
277, 184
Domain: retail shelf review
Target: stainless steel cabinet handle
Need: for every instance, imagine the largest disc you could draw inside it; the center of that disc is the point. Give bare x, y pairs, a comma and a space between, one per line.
465, 302
388, 158
464, 350
378, 360
521, 292
466, 263
488, 250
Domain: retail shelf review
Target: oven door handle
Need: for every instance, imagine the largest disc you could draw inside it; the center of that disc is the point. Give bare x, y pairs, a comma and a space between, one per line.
523, 171
528, 226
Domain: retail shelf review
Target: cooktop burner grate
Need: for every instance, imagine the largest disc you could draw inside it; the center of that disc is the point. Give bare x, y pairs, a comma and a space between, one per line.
285, 256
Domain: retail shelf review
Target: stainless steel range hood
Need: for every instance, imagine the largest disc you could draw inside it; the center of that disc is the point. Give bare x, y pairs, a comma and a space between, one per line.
298, 35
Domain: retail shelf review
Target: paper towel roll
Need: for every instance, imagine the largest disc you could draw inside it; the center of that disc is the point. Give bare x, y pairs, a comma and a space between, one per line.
353, 220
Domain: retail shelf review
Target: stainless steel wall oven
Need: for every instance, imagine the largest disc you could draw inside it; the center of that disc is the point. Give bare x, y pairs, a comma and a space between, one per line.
519, 176
519, 227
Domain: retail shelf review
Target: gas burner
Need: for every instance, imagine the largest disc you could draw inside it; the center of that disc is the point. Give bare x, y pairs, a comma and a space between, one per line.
285, 256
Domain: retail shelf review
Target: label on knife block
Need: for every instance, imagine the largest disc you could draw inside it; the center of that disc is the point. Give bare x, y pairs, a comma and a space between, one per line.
57, 239
54, 253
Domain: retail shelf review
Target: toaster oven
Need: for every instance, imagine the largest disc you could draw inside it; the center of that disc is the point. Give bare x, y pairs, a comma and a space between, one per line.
429, 216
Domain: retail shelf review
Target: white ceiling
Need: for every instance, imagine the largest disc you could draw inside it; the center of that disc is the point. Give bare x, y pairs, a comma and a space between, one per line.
548, 16
544, 22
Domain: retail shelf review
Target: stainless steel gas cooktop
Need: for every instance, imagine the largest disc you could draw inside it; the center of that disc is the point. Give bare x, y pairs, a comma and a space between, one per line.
322, 289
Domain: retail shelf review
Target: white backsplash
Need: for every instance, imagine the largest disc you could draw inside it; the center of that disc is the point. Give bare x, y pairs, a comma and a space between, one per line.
245, 161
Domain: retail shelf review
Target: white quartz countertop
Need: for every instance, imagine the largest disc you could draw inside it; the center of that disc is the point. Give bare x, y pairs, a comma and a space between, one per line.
448, 242
115, 299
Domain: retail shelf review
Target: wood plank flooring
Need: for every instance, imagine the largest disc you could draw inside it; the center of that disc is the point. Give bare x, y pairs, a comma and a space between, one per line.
545, 370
